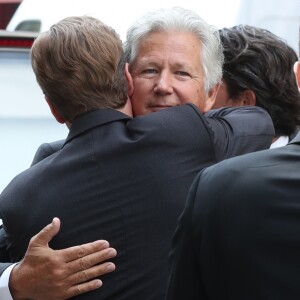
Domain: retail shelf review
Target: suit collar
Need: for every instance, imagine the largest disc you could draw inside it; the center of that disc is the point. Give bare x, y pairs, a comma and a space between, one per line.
94, 119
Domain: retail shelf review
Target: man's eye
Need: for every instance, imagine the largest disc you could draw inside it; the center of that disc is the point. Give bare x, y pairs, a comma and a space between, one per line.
182, 73
150, 71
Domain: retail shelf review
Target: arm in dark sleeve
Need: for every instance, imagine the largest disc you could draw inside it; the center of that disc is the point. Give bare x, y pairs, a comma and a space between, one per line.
240, 130
4, 257
46, 150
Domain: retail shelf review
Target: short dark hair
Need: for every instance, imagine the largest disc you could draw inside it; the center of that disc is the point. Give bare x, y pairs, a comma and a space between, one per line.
78, 65
258, 60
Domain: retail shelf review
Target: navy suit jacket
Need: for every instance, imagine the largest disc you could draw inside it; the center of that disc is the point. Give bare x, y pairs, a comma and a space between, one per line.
239, 235
126, 180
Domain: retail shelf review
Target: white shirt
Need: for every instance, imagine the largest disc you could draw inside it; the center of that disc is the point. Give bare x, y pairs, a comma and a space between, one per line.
4, 280
280, 142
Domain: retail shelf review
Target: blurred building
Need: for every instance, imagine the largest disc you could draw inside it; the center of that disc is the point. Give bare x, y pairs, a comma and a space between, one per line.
281, 17
7, 9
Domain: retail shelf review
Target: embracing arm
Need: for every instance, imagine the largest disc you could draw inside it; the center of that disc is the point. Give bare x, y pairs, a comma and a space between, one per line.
59, 274
240, 130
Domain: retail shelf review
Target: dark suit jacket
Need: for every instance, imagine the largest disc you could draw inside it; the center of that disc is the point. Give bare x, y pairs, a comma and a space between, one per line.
46, 150
125, 180
239, 235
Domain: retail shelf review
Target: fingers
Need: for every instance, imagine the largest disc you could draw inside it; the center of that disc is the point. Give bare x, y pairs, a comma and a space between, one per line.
91, 260
73, 253
83, 281
47, 233
91, 273
83, 288
97, 258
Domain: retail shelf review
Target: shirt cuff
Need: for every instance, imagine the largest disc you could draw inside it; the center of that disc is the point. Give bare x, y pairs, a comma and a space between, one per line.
4, 280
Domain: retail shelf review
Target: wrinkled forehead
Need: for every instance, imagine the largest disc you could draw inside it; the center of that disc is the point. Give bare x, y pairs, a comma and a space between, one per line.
170, 40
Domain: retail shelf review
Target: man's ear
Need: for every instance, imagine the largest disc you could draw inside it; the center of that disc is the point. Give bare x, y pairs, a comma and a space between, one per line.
248, 97
59, 118
210, 100
297, 73
129, 80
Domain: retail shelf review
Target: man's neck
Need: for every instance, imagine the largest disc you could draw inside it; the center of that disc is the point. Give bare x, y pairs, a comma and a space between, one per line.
126, 109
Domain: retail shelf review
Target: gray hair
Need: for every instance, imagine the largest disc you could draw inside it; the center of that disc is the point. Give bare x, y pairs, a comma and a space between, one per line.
183, 20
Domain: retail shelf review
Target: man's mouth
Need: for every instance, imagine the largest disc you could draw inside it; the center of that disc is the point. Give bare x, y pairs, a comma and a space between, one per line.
154, 108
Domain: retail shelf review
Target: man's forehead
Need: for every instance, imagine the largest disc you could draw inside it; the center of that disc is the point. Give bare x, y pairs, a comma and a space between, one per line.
172, 37
164, 45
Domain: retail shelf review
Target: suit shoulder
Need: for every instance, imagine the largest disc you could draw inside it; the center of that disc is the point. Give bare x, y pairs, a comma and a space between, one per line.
46, 149
182, 122
236, 181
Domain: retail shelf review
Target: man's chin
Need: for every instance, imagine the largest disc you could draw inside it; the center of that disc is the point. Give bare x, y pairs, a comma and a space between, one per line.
149, 109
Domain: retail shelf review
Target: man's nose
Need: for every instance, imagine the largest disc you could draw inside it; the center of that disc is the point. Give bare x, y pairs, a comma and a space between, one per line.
164, 84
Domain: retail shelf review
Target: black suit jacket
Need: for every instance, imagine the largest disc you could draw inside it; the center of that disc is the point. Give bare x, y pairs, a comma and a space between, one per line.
239, 235
46, 150
125, 180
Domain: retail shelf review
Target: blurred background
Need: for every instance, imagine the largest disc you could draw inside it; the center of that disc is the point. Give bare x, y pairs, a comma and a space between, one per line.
280, 16
25, 120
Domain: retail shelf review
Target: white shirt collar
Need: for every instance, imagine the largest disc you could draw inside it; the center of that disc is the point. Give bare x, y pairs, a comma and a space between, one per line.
280, 142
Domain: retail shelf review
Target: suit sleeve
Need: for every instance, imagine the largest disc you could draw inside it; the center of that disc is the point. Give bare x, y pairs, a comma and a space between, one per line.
3, 253
240, 130
4, 257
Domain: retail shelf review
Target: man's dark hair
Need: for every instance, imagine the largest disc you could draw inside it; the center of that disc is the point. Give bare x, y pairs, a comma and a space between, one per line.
258, 60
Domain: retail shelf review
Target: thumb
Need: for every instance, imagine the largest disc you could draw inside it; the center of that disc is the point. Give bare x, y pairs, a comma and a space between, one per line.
47, 233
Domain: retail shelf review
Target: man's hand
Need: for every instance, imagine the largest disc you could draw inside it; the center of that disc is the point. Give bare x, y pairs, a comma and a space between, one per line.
45, 273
